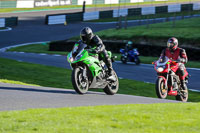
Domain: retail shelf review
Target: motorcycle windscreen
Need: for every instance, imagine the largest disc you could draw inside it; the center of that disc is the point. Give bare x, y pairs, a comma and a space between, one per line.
162, 61
78, 49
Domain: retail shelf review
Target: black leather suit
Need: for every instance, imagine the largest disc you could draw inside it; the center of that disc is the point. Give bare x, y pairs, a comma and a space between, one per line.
100, 49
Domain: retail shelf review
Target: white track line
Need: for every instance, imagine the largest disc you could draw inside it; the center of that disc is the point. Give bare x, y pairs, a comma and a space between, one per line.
7, 29
5, 48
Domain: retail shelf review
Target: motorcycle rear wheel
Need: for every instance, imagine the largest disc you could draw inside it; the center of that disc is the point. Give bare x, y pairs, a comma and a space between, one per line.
79, 83
113, 87
182, 97
161, 91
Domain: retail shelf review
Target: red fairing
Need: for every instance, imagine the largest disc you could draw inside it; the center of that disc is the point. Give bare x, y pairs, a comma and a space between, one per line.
164, 71
174, 67
172, 93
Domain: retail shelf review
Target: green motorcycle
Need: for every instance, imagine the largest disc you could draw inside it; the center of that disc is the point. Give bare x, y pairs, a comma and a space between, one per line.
90, 72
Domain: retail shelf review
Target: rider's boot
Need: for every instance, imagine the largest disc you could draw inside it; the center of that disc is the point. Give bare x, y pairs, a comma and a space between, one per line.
110, 69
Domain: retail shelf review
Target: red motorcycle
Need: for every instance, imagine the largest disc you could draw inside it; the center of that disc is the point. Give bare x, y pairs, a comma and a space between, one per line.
168, 82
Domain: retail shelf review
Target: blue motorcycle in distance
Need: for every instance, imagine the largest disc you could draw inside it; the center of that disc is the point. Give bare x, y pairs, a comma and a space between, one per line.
130, 56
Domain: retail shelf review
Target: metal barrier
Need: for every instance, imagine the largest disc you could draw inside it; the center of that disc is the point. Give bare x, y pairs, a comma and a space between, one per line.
8, 22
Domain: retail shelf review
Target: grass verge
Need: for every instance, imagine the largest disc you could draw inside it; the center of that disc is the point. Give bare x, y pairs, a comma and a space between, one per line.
61, 78
187, 31
137, 118
39, 48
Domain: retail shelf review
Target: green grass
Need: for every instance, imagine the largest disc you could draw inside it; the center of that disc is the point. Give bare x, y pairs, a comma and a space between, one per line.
36, 48
140, 17
87, 6
2, 28
39, 48
187, 31
61, 78
137, 118
15, 82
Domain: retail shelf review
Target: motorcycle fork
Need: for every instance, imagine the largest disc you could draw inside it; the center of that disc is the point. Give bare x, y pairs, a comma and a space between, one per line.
84, 70
167, 77
172, 81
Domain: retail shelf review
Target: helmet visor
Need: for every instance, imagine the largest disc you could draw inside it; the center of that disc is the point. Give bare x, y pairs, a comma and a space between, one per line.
170, 45
83, 38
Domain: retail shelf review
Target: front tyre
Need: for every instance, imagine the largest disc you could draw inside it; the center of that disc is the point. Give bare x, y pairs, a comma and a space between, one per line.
113, 86
123, 59
161, 90
79, 82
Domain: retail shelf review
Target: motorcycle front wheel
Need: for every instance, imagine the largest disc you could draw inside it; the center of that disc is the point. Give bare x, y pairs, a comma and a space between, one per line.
113, 86
79, 82
161, 90
123, 59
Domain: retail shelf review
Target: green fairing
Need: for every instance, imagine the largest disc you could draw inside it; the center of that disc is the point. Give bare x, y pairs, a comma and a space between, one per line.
87, 59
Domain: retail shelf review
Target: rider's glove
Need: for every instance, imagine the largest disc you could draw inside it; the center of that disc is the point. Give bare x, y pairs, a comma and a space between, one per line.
178, 60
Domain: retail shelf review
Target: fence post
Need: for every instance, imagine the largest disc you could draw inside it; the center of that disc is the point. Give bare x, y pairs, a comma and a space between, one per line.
83, 7
125, 23
119, 24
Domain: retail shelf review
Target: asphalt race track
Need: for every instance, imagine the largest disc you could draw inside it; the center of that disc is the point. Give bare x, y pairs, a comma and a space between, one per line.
19, 97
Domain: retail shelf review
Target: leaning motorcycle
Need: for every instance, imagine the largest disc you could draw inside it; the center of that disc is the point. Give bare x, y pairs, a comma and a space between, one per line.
130, 56
90, 72
168, 82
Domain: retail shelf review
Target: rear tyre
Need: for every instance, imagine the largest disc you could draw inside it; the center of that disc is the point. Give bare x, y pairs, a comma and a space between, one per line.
161, 90
182, 96
113, 86
79, 82
123, 59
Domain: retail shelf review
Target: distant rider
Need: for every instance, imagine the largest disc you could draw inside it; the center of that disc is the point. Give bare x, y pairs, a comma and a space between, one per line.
177, 54
129, 46
92, 41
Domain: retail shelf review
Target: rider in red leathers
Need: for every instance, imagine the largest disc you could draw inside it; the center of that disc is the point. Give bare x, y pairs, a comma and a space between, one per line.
177, 54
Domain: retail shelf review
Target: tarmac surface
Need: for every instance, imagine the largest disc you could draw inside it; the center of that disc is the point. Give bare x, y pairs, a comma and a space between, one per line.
20, 97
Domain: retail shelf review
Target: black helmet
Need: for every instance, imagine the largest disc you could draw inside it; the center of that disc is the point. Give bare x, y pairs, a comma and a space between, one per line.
86, 34
172, 43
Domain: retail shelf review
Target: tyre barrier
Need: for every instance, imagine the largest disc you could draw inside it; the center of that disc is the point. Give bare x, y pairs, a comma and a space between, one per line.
8, 22
80, 16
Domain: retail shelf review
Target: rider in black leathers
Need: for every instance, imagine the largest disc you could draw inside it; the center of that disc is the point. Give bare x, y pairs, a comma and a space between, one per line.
92, 41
